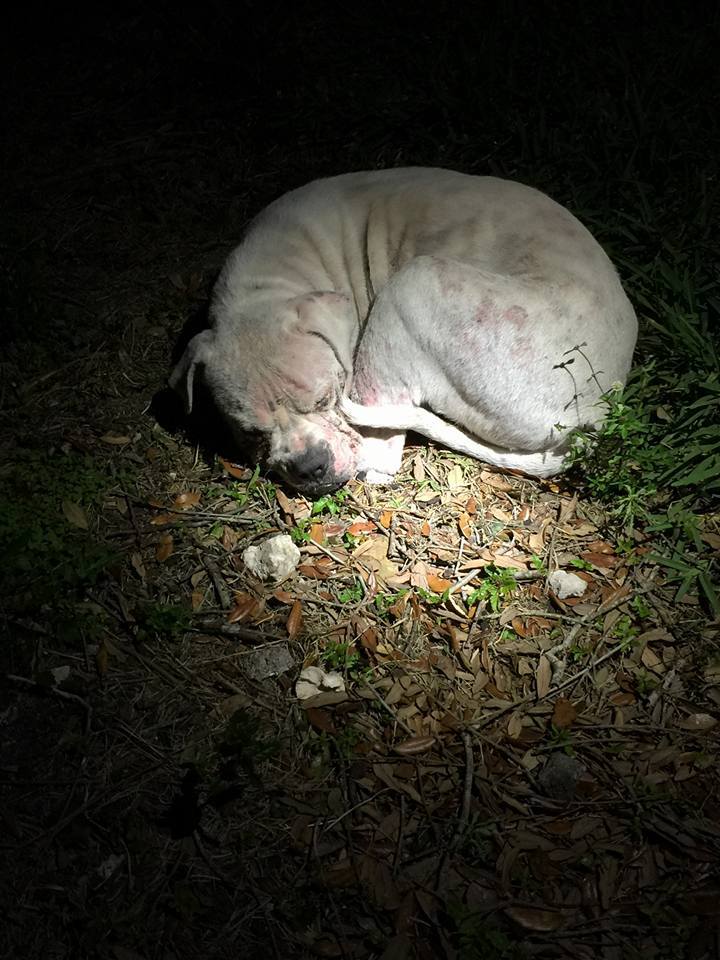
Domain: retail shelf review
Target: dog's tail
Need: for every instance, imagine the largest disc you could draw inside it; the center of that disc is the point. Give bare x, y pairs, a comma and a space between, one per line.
544, 463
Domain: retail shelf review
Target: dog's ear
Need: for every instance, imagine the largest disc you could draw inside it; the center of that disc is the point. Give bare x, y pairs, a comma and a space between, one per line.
332, 317
198, 351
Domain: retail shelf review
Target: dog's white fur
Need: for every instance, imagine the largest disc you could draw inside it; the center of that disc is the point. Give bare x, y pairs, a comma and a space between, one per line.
473, 310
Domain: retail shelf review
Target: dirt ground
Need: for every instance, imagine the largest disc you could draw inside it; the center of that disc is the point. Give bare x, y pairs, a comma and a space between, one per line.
504, 773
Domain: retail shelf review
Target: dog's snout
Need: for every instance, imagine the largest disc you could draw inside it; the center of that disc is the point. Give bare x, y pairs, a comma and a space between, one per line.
312, 464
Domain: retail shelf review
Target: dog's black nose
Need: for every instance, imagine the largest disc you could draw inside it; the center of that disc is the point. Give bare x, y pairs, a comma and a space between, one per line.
311, 465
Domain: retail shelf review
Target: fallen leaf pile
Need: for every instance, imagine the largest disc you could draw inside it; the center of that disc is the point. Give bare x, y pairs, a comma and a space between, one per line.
478, 696
508, 687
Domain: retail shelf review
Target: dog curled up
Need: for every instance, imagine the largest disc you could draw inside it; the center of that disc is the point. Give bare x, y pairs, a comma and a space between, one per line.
473, 310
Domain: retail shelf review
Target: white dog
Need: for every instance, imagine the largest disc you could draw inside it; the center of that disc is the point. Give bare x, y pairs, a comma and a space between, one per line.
473, 310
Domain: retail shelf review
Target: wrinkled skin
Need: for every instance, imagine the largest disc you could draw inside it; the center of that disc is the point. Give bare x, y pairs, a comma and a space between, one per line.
281, 390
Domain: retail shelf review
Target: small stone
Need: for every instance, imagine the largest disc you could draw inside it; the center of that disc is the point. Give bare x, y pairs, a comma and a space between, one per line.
267, 661
559, 777
313, 681
275, 559
565, 584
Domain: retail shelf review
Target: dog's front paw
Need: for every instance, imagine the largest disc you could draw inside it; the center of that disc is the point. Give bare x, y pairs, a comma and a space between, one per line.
375, 476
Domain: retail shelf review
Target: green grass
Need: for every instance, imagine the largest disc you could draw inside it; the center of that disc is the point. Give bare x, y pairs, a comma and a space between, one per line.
656, 462
42, 554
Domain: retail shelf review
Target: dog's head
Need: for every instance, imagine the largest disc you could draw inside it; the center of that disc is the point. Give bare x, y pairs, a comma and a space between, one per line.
278, 379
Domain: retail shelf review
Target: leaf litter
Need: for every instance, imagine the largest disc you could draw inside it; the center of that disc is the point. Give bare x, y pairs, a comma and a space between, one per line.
459, 732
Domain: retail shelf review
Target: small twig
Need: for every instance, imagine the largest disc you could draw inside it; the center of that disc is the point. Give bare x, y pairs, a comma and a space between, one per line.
401, 723
521, 575
392, 544
467, 789
401, 830
361, 803
557, 653
221, 589
237, 630
214, 868
531, 697
464, 815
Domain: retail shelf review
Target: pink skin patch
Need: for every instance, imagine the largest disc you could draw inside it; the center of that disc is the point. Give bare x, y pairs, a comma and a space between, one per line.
517, 316
486, 313
489, 313
365, 389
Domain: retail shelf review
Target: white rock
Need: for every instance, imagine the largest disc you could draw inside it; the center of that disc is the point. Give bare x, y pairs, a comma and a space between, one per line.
314, 680
274, 559
60, 674
565, 584
108, 867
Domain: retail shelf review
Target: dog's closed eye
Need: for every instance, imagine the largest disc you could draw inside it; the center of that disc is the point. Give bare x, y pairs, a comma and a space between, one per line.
327, 400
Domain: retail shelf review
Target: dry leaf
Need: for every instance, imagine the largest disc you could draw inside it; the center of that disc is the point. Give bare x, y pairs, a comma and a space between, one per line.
164, 548
375, 547
622, 699
138, 566
334, 528
115, 439
650, 636
368, 639
698, 721
317, 533
361, 526
314, 571
650, 659
471, 506
438, 584
196, 599
465, 526
603, 560
454, 476
515, 725
320, 719
295, 620
101, 658
187, 500
75, 514
711, 539
533, 918
283, 596
502, 560
564, 713
240, 473
536, 542
425, 529
246, 607
386, 518
418, 468
415, 745
543, 676
162, 519
284, 502
567, 509
601, 546
494, 480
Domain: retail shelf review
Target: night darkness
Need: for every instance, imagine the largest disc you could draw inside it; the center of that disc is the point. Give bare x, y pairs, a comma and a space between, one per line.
163, 794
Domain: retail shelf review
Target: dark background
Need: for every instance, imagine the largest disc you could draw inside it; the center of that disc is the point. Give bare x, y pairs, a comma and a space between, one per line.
135, 134
137, 141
